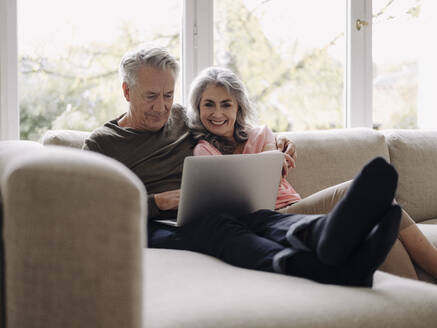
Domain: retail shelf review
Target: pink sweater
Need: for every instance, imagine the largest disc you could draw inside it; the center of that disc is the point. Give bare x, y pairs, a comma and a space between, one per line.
258, 138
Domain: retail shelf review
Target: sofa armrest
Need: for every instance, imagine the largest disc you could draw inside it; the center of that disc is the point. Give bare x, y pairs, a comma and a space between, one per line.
73, 230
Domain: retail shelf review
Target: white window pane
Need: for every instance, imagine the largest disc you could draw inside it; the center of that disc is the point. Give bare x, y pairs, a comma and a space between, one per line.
291, 56
399, 65
69, 52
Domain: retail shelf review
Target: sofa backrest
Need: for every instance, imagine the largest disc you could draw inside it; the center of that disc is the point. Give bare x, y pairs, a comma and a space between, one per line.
414, 154
67, 138
325, 158
329, 157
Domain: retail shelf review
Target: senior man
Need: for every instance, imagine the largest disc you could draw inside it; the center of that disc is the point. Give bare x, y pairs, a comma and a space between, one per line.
152, 139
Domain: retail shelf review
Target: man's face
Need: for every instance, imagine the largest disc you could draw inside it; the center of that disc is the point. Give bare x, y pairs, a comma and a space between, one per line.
151, 98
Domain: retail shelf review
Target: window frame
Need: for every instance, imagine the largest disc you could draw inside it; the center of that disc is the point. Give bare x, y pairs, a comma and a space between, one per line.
359, 75
197, 41
9, 110
197, 49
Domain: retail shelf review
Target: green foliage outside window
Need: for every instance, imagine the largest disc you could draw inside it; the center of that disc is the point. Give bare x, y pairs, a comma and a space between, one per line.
82, 89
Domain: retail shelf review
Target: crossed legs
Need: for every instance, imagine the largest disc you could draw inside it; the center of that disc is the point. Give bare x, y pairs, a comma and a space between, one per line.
347, 245
326, 248
411, 245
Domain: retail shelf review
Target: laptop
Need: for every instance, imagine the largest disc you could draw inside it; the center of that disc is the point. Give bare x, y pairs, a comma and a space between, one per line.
235, 184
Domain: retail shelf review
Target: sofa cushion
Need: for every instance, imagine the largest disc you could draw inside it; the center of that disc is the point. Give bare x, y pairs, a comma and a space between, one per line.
68, 138
414, 155
326, 158
186, 289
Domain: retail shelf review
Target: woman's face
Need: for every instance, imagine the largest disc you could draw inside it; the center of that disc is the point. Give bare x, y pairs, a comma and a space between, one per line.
218, 111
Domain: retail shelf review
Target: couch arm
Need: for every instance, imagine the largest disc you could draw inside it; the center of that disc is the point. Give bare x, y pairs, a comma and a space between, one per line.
74, 236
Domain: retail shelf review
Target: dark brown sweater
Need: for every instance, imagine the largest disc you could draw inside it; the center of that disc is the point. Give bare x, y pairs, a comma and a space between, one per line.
155, 157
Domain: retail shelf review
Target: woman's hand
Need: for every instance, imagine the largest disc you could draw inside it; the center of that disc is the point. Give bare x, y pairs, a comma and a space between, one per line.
288, 162
288, 147
168, 200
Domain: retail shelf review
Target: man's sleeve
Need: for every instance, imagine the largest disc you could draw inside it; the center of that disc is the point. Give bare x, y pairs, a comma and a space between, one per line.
152, 208
90, 144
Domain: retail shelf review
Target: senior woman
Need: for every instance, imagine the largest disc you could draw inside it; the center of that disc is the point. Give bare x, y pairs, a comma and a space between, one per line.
221, 118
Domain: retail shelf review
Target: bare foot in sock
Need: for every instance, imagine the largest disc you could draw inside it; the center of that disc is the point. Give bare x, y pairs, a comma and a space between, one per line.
359, 269
369, 197
374, 250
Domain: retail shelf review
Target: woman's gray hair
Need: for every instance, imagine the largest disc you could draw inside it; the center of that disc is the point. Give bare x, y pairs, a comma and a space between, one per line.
148, 56
246, 113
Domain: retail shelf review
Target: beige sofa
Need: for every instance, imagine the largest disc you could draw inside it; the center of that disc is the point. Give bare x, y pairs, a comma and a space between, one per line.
73, 237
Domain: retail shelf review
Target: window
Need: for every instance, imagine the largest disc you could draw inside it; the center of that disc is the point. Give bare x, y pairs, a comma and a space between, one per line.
68, 57
291, 56
398, 66
306, 63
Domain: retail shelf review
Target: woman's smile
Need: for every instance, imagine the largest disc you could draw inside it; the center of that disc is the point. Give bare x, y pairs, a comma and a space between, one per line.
218, 123
218, 111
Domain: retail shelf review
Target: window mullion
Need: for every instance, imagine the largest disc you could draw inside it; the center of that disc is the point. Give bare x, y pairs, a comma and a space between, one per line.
9, 115
359, 64
197, 41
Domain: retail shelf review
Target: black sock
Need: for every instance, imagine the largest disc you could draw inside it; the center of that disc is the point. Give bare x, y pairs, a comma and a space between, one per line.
348, 224
359, 269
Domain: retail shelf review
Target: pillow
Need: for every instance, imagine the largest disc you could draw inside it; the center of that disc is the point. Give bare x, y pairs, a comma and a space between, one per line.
414, 155
329, 157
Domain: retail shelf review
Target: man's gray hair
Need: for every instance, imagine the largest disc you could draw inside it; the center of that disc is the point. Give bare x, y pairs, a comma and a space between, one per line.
148, 56
246, 113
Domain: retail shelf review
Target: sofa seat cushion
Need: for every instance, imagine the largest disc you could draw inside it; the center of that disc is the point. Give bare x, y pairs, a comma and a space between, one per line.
186, 289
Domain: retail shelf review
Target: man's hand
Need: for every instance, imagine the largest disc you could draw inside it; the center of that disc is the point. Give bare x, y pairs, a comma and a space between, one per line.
289, 149
168, 200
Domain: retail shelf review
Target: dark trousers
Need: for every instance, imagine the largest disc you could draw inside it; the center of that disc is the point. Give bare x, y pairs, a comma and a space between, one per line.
249, 241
